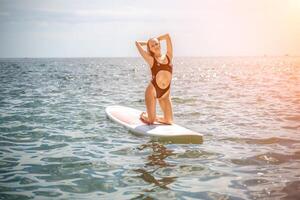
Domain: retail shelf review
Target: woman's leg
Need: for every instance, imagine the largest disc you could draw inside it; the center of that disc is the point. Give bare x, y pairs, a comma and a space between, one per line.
166, 106
150, 102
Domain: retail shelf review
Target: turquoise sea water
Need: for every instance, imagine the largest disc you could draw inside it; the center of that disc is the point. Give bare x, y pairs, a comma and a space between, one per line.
57, 143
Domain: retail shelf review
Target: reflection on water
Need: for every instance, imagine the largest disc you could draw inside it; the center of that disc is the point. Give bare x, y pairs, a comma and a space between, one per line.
156, 161
160, 152
56, 142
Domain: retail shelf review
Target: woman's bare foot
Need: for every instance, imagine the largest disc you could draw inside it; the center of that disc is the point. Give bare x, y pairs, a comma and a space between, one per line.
144, 118
162, 120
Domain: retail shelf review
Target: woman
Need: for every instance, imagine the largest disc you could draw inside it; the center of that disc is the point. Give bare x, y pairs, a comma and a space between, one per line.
159, 87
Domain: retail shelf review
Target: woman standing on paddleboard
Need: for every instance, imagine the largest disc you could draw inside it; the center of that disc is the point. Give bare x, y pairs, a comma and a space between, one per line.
159, 87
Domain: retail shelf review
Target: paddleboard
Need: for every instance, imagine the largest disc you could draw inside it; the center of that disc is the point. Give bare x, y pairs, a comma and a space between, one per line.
130, 118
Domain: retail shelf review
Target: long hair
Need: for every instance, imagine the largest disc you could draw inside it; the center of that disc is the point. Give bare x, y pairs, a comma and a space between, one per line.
148, 48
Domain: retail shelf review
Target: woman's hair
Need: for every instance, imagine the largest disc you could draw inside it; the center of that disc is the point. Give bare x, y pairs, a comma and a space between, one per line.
148, 48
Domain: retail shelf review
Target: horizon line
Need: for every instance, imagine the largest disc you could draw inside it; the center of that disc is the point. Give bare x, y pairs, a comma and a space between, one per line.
42, 57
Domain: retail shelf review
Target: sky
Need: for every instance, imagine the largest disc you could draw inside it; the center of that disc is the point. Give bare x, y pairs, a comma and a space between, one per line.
109, 28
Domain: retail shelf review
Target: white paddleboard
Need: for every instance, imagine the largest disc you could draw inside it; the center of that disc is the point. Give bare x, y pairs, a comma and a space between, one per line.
130, 118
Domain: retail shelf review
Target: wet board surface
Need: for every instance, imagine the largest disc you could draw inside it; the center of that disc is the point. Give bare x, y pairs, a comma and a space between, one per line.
130, 118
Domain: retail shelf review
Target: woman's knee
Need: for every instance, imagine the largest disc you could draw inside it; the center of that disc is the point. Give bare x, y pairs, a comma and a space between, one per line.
169, 120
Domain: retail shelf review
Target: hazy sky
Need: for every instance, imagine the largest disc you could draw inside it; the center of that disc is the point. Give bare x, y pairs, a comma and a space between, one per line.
92, 28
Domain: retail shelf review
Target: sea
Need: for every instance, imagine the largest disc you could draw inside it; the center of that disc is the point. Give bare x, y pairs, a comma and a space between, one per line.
57, 143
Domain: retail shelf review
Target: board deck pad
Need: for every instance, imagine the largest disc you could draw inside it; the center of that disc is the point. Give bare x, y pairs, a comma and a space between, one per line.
130, 118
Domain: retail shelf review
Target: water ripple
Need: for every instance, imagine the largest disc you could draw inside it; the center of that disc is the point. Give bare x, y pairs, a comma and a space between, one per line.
56, 142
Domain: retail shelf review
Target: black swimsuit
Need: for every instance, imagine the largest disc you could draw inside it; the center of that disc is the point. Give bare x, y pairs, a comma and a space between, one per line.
154, 70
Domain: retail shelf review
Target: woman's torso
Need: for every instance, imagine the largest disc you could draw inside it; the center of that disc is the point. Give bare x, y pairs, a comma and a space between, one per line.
162, 72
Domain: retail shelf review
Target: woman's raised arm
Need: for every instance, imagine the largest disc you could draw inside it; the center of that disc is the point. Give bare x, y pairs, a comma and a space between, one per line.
169, 44
143, 52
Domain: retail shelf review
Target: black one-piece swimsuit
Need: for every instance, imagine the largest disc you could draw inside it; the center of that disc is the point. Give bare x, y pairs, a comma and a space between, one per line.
154, 70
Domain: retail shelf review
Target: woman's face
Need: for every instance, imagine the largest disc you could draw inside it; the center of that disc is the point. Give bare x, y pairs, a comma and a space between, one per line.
154, 45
